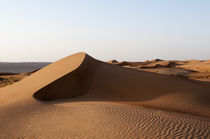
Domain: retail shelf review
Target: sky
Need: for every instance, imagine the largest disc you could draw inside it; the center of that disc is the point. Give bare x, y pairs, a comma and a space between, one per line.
133, 30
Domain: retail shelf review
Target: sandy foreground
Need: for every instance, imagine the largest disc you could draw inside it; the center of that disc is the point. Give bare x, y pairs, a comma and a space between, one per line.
81, 97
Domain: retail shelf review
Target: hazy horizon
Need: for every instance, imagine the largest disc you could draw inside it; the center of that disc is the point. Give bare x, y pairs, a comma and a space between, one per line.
105, 59
45, 31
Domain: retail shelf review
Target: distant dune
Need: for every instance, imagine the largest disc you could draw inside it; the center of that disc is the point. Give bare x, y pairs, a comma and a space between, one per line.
81, 97
191, 69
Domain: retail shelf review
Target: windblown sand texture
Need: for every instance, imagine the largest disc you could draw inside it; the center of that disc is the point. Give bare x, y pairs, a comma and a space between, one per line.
81, 97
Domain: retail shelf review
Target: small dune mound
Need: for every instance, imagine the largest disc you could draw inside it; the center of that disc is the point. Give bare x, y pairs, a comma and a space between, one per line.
129, 64
171, 64
161, 64
157, 60
124, 63
112, 61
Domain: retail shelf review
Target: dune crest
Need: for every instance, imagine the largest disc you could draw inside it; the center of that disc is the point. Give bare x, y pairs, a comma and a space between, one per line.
74, 83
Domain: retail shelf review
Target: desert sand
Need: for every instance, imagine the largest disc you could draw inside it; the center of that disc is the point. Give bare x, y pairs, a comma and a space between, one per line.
81, 97
191, 69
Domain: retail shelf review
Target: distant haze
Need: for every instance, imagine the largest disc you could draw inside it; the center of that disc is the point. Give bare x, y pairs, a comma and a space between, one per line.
21, 67
134, 30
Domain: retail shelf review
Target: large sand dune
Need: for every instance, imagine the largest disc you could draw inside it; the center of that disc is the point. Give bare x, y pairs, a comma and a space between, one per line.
103, 101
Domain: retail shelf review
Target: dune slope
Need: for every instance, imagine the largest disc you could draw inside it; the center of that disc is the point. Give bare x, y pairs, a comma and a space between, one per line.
94, 80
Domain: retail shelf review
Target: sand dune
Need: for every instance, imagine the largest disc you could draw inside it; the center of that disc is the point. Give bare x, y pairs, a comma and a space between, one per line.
103, 100
191, 69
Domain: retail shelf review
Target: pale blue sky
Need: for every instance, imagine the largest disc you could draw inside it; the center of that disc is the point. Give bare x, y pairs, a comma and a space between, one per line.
135, 30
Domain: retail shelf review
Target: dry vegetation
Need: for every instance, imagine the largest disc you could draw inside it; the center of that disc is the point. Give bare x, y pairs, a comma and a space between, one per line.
8, 79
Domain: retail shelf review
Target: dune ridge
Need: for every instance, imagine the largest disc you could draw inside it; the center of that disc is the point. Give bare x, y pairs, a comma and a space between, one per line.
89, 96
94, 80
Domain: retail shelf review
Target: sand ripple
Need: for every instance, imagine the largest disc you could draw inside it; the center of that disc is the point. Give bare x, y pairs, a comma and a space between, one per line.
102, 120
